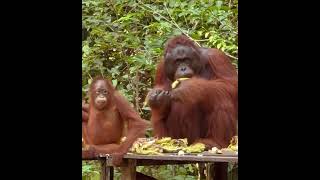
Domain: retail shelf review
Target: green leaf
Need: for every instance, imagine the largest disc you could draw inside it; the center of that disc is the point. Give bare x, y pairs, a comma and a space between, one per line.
157, 17
219, 3
172, 3
190, 168
114, 82
132, 69
206, 35
179, 177
125, 18
182, 170
85, 49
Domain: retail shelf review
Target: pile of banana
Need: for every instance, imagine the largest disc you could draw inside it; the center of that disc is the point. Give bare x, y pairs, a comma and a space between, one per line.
153, 146
231, 149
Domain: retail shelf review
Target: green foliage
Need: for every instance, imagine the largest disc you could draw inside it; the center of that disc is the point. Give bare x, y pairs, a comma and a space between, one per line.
124, 40
172, 172
90, 170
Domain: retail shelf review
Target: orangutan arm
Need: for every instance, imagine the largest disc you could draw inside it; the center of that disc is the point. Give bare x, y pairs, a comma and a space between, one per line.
85, 112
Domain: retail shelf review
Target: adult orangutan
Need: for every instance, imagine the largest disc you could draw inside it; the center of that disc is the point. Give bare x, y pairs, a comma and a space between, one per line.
204, 106
104, 119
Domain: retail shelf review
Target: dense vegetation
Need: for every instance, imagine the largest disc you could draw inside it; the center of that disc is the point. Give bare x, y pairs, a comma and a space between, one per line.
123, 41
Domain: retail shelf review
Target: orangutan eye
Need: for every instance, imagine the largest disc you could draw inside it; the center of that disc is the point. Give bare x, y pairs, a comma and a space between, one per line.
178, 61
187, 61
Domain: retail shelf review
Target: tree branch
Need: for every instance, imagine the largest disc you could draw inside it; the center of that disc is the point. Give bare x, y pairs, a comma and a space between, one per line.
176, 25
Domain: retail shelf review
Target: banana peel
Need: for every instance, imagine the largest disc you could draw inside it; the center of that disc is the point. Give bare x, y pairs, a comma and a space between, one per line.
163, 140
195, 148
180, 142
145, 146
150, 151
177, 82
171, 149
233, 143
231, 149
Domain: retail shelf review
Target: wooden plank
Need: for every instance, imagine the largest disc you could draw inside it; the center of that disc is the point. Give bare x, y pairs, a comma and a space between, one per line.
167, 159
148, 162
213, 158
173, 159
129, 171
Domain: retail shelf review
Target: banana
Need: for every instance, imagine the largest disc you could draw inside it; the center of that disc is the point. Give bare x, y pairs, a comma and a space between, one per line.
177, 82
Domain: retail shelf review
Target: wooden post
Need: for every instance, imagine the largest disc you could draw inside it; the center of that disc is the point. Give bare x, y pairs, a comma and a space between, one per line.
111, 172
201, 174
103, 173
217, 170
106, 171
209, 171
129, 171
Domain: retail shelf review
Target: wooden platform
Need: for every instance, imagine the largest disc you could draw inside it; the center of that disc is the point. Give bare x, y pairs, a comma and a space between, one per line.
132, 160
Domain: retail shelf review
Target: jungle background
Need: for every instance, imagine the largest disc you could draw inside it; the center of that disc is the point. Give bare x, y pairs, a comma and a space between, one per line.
123, 40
